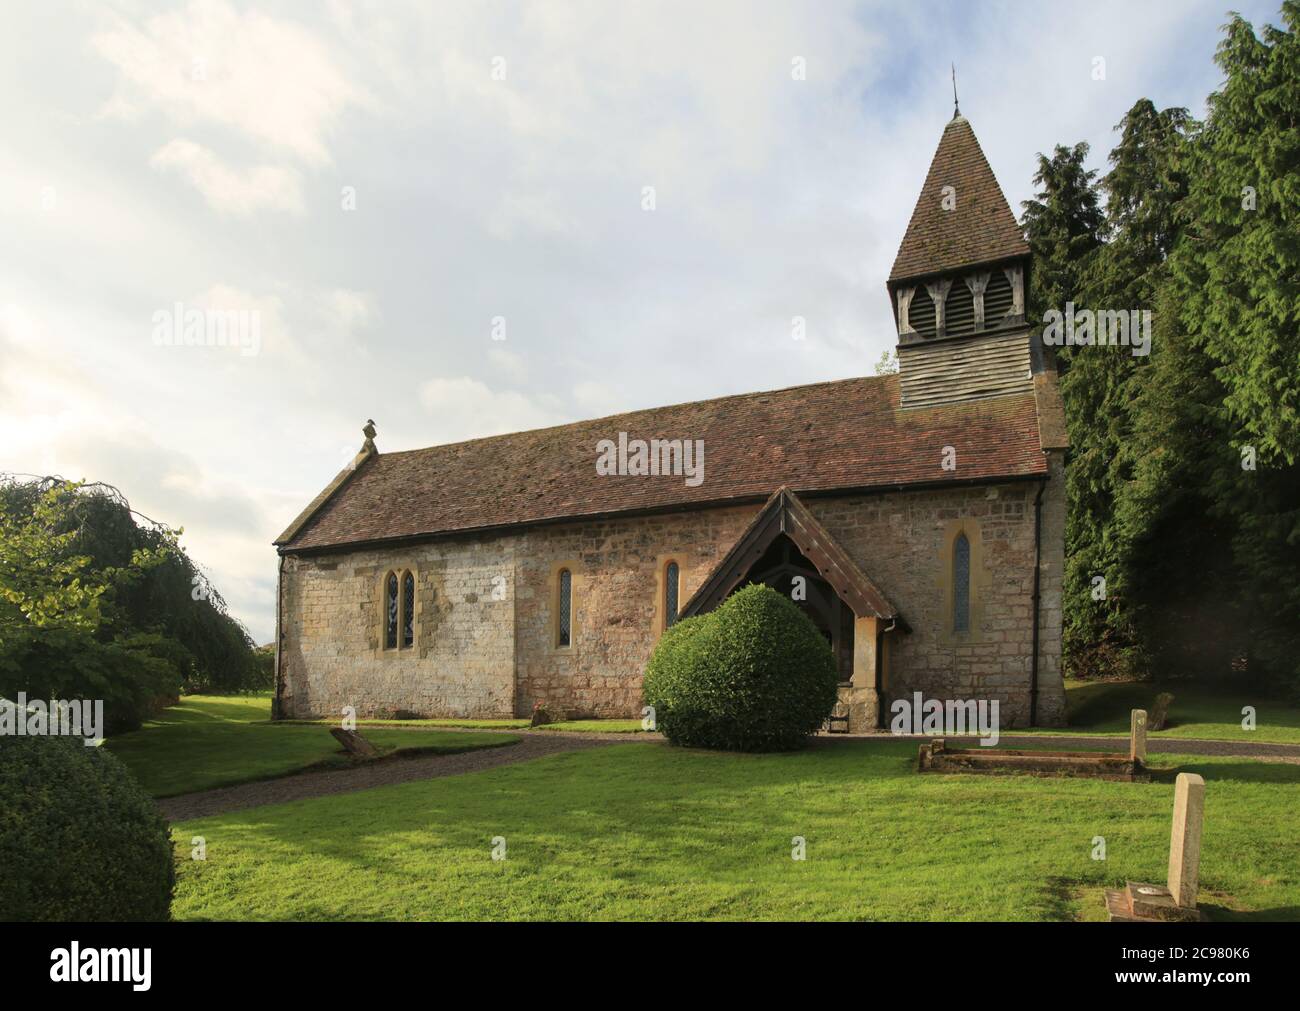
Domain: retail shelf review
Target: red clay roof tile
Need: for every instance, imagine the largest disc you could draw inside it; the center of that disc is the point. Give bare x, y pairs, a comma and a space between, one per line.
841, 435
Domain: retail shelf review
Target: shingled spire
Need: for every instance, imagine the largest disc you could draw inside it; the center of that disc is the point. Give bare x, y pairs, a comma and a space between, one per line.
968, 225
958, 282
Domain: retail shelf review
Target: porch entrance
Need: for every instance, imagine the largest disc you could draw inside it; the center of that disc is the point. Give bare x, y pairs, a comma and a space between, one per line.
787, 570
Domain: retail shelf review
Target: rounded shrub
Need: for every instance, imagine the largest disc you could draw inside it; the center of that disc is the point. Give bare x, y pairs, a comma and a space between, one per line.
754, 675
79, 837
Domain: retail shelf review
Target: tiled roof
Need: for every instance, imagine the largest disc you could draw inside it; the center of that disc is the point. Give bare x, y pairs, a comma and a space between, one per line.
848, 434
980, 226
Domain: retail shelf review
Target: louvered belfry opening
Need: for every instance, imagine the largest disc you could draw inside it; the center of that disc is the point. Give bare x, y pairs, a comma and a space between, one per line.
921, 314
959, 310
997, 300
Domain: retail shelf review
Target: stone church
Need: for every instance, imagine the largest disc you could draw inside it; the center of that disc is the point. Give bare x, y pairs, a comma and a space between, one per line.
921, 515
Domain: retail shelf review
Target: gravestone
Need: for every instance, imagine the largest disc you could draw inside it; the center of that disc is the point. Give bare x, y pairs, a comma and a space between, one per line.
1137, 736
1141, 902
353, 743
1185, 840
1160, 712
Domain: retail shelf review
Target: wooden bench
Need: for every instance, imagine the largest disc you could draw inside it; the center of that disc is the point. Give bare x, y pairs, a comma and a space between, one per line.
839, 715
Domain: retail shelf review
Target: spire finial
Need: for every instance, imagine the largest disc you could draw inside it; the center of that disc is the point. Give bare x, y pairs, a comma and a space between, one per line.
956, 109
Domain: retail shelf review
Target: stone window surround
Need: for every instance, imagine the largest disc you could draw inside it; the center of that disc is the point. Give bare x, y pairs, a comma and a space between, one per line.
938, 288
574, 595
980, 582
661, 589
381, 638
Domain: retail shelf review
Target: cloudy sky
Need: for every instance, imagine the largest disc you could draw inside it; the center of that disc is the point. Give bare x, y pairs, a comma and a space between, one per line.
379, 182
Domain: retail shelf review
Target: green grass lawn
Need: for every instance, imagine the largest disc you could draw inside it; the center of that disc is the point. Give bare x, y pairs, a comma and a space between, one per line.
211, 740
645, 831
1211, 713
596, 726
599, 726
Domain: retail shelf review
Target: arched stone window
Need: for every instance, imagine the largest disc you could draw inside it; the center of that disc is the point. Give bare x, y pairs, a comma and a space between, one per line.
961, 584
564, 609
408, 610
390, 611
672, 585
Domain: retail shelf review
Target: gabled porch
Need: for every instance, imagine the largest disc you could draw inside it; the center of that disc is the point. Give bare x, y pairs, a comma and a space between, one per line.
788, 549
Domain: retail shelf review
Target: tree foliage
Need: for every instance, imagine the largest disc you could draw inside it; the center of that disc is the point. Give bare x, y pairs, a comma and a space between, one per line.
99, 602
1183, 483
1238, 269
1064, 224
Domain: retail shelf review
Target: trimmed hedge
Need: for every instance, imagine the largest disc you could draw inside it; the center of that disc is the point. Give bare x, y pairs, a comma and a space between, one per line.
754, 675
79, 837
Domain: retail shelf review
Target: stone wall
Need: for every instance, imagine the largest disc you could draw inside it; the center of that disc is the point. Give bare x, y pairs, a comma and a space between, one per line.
903, 542
462, 661
1051, 688
485, 617
485, 643
618, 568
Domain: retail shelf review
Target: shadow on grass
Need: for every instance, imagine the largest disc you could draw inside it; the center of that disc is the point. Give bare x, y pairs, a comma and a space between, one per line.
1225, 913
639, 831
1240, 770
1105, 707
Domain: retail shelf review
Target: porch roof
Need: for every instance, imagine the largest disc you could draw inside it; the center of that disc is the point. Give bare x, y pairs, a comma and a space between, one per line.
784, 513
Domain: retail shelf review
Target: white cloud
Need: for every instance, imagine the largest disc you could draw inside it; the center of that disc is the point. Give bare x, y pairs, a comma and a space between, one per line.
176, 429
227, 189
270, 79
518, 214
511, 365
597, 399
465, 408
351, 310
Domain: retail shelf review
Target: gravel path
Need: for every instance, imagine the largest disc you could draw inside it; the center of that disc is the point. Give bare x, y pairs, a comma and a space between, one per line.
383, 773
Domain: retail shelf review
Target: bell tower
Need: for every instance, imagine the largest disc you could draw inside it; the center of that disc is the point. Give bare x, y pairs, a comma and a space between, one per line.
958, 283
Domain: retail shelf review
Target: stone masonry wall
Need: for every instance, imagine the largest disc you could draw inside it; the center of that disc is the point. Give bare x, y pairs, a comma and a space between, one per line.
1051, 687
485, 634
485, 618
618, 568
462, 661
903, 542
